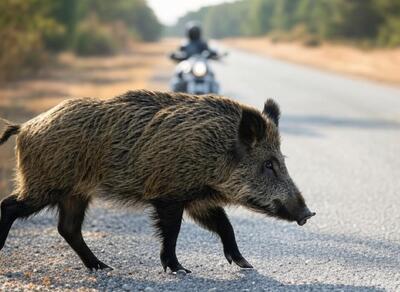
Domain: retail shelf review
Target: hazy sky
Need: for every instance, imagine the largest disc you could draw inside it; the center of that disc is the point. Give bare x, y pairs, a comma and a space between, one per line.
168, 11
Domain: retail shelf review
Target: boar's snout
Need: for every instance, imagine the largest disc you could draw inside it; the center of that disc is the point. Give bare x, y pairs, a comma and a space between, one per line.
294, 209
304, 216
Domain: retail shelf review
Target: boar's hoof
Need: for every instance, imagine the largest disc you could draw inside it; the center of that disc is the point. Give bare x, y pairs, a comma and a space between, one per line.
178, 270
239, 260
175, 268
181, 272
98, 266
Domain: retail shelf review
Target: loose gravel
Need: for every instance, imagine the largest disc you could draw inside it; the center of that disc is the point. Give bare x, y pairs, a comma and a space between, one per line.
286, 257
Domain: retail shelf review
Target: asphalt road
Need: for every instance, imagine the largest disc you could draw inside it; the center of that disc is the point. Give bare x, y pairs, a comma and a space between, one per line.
342, 140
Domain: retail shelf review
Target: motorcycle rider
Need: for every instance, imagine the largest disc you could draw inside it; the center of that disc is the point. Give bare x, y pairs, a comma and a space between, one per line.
194, 44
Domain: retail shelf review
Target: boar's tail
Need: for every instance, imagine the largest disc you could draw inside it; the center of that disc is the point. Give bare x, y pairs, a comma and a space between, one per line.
11, 129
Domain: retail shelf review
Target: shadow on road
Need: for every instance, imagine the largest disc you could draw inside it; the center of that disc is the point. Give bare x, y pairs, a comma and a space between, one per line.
310, 125
279, 242
246, 280
250, 280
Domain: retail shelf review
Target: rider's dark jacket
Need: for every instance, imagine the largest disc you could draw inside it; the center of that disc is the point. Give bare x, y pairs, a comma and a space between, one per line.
194, 47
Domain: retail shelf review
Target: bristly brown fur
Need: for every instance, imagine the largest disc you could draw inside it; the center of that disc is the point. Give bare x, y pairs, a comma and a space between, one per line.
134, 147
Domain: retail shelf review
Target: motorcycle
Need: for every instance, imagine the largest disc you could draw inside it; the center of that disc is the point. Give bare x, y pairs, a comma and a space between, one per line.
194, 75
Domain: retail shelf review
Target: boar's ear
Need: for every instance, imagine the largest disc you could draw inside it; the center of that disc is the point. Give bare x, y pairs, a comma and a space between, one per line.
272, 111
252, 127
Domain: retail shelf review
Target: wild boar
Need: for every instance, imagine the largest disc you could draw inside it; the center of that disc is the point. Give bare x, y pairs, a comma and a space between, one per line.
173, 152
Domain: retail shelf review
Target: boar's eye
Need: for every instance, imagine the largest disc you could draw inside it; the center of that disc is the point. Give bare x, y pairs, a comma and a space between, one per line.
268, 164
268, 167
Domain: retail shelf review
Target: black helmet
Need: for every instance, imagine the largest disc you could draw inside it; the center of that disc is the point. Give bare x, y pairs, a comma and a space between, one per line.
193, 31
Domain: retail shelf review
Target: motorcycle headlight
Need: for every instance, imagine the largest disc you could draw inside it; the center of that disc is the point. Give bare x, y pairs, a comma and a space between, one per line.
199, 69
185, 67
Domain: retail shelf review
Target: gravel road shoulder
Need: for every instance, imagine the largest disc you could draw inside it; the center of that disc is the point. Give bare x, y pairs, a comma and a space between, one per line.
37, 258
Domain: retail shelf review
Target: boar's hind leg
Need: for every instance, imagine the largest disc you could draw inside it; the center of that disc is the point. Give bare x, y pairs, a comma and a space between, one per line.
167, 220
216, 220
12, 209
71, 215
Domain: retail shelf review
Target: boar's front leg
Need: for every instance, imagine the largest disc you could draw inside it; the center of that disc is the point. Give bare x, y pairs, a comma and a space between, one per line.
216, 220
167, 220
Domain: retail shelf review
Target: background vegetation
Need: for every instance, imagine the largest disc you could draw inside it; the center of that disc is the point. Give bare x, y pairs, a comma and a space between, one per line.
30, 29
375, 22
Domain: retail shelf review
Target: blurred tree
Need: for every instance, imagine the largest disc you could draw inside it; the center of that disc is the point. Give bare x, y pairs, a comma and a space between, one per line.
373, 20
359, 19
260, 14
389, 31
283, 14
23, 25
65, 13
31, 28
139, 19
222, 20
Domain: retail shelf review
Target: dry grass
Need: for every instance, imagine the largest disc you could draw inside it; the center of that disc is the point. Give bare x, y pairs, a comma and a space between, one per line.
375, 64
77, 77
